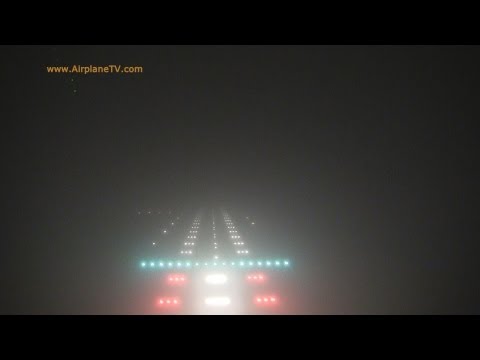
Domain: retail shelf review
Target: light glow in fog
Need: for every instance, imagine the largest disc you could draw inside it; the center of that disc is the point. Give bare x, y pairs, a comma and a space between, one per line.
216, 279
217, 301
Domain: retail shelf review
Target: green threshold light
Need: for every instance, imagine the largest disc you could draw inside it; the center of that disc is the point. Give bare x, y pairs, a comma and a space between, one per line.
242, 264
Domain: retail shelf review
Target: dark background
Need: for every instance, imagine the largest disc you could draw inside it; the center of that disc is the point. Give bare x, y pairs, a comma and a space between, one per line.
358, 162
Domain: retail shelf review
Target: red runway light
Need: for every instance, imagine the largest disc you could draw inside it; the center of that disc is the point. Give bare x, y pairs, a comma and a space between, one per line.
266, 300
256, 278
176, 279
168, 302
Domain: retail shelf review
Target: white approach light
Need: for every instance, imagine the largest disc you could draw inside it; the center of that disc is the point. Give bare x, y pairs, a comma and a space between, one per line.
217, 301
216, 279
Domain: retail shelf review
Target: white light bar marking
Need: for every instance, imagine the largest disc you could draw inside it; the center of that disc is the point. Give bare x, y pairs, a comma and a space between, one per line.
217, 301
216, 279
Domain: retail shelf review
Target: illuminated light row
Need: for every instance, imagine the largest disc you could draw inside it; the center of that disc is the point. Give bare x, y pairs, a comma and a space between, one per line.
266, 300
189, 264
168, 302
256, 278
234, 235
188, 243
176, 279
215, 256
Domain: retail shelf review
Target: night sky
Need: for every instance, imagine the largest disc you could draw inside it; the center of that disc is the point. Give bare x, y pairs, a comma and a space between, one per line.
358, 162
